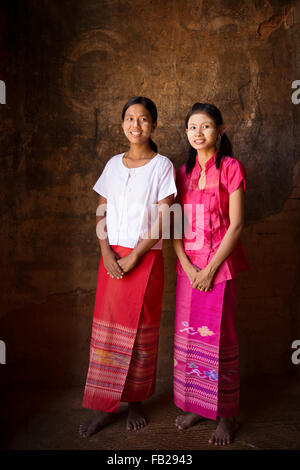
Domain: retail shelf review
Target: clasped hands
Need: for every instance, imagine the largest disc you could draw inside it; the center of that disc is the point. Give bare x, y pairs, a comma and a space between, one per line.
116, 266
200, 279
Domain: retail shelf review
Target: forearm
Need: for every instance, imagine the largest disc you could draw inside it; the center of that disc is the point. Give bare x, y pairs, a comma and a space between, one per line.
101, 229
180, 253
102, 233
225, 248
151, 238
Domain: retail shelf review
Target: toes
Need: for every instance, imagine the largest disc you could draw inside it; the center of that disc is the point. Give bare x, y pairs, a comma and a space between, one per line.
83, 430
179, 422
136, 424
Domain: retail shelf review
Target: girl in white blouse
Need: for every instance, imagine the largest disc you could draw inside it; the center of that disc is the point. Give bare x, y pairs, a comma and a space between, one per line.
135, 189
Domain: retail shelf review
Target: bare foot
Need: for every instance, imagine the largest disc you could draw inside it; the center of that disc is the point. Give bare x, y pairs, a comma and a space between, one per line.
224, 432
87, 430
187, 420
136, 417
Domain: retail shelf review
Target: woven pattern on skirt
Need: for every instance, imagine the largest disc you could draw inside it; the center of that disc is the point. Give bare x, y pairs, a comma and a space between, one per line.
206, 377
124, 343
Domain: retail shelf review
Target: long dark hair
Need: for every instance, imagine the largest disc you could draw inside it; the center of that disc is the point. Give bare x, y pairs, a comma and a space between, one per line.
225, 144
150, 106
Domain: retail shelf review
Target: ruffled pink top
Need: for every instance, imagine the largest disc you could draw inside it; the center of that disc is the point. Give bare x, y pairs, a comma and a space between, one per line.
207, 214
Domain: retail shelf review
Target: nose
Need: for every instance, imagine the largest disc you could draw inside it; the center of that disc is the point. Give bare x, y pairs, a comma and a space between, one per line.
199, 131
136, 123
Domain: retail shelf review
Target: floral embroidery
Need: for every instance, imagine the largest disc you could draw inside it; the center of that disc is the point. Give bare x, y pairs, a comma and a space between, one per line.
203, 330
197, 372
211, 374
208, 374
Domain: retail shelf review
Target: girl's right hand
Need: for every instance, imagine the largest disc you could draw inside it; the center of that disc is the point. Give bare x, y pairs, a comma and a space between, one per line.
111, 265
191, 271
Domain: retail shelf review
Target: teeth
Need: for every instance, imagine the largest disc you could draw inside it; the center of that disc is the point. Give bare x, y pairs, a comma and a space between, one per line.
136, 133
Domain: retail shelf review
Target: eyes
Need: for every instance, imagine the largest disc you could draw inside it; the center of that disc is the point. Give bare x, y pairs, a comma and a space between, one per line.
143, 119
202, 127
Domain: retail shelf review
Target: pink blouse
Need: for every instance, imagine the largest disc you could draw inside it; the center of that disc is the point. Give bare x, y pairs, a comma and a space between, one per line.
207, 214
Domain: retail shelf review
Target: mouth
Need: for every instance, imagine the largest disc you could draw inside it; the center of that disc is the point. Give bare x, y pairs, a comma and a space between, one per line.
136, 133
199, 141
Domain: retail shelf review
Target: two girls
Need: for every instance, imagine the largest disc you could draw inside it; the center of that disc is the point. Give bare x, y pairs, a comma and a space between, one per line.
127, 310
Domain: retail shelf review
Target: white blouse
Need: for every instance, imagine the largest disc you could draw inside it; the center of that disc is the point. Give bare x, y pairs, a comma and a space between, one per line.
132, 195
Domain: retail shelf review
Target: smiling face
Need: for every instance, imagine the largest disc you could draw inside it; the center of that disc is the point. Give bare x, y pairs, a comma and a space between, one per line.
137, 124
202, 132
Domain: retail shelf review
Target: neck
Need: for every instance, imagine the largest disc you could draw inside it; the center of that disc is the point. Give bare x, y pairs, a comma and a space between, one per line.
138, 152
204, 155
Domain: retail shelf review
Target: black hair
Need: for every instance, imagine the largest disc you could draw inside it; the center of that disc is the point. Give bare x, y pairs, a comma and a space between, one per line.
150, 106
225, 147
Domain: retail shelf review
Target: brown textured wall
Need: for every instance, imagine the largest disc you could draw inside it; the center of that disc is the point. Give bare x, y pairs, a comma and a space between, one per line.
69, 67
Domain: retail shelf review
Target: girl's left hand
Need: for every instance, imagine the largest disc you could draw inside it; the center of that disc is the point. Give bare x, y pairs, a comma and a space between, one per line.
128, 262
203, 281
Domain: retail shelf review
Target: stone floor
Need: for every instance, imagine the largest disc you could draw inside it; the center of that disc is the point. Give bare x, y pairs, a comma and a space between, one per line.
49, 420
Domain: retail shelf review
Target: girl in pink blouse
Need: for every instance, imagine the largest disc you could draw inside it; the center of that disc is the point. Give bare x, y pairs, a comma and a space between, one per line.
211, 187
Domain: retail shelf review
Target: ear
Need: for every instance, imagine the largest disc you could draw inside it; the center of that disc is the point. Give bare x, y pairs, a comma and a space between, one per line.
154, 126
186, 131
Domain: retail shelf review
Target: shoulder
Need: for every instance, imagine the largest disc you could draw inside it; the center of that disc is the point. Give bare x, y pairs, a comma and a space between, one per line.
232, 165
112, 163
163, 161
114, 160
163, 165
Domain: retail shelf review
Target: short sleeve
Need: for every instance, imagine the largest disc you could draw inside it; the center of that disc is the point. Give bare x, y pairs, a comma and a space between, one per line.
167, 184
101, 185
236, 174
